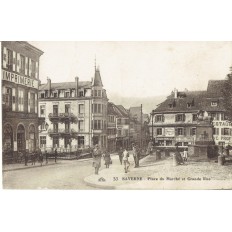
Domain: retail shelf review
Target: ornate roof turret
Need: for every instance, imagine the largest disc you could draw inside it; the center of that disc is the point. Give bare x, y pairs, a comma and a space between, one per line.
97, 78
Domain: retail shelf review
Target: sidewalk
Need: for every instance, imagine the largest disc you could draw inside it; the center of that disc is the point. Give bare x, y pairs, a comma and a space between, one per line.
21, 166
162, 174
18, 166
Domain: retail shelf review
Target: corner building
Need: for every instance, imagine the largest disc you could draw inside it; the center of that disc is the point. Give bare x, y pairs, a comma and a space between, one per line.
20, 83
75, 114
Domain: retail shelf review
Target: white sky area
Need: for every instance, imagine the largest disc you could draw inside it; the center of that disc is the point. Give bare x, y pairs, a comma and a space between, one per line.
137, 69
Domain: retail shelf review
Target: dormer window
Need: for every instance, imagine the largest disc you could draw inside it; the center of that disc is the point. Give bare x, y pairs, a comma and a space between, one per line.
189, 105
67, 94
214, 103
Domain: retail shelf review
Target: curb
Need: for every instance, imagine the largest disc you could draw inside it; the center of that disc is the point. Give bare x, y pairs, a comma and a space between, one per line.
107, 187
29, 167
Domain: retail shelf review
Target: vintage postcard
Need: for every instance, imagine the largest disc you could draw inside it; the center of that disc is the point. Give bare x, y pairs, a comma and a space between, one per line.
116, 115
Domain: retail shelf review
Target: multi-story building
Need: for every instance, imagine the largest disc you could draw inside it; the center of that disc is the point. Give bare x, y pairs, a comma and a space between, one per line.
20, 83
214, 105
123, 129
139, 132
75, 114
111, 126
175, 121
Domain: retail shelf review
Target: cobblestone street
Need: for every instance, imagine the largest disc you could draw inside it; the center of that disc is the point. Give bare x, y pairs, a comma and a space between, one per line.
63, 175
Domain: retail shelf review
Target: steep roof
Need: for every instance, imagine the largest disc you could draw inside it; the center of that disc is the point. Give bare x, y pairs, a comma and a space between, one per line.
66, 85
135, 112
180, 104
215, 88
113, 109
97, 78
123, 111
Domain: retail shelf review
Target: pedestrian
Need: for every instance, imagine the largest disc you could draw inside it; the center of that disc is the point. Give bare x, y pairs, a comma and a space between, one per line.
178, 156
46, 156
185, 155
26, 158
107, 159
40, 157
120, 155
125, 160
33, 157
97, 154
55, 155
136, 155
149, 148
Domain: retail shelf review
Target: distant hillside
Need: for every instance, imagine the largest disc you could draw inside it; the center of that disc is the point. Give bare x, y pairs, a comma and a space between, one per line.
149, 103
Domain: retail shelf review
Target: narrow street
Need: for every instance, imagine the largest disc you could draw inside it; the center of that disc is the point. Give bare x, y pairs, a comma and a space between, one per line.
64, 175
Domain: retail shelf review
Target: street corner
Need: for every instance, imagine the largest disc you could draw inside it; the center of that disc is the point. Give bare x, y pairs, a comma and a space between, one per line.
100, 181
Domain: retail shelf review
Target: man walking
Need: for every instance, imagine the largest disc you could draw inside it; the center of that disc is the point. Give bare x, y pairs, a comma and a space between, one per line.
125, 160
26, 158
136, 155
46, 156
97, 154
55, 154
120, 155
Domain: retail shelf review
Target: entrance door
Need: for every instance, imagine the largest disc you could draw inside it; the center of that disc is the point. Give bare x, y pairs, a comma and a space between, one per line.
21, 142
32, 141
7, 140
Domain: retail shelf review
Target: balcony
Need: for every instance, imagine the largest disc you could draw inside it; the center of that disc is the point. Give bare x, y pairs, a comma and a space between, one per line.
81, 115
61, 117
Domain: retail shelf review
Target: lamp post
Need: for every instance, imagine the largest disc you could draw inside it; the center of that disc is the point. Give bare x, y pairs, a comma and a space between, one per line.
152, 124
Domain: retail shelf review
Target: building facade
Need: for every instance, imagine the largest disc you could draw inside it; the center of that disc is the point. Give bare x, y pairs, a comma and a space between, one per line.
75, 114
177, 119
20, 83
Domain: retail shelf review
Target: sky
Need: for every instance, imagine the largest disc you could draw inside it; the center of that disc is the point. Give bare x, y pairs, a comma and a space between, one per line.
137, 69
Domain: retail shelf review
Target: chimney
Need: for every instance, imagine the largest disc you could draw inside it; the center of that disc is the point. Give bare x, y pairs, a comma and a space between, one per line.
175, 93
76, 85
49, 86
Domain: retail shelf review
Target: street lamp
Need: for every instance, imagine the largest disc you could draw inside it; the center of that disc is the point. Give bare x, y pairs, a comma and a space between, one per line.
152, 125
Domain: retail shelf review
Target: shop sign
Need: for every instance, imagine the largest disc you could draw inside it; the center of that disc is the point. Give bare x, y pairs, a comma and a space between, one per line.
169, 132
222, 124
18, 79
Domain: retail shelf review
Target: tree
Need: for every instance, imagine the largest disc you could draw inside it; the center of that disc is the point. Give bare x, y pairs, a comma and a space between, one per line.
227, 95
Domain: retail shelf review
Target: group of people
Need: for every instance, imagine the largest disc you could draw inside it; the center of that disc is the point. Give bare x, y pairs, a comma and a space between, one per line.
123, 157
38, 156
181, 159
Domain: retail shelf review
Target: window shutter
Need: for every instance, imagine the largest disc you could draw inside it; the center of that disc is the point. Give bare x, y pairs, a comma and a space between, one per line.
222, 131
155, 118
29, 96
176, 117
162, 118
26, 66
191, 131
14, 60
36, 70
29, 71
176, 131
184, 131
18, 63
36, 103
13, 99
4, 60
184, 117
22, 100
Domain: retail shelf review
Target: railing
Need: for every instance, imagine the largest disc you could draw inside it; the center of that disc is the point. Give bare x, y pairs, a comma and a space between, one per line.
61, 115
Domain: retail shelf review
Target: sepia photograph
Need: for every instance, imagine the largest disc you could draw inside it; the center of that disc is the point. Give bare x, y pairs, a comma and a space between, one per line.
116, 115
